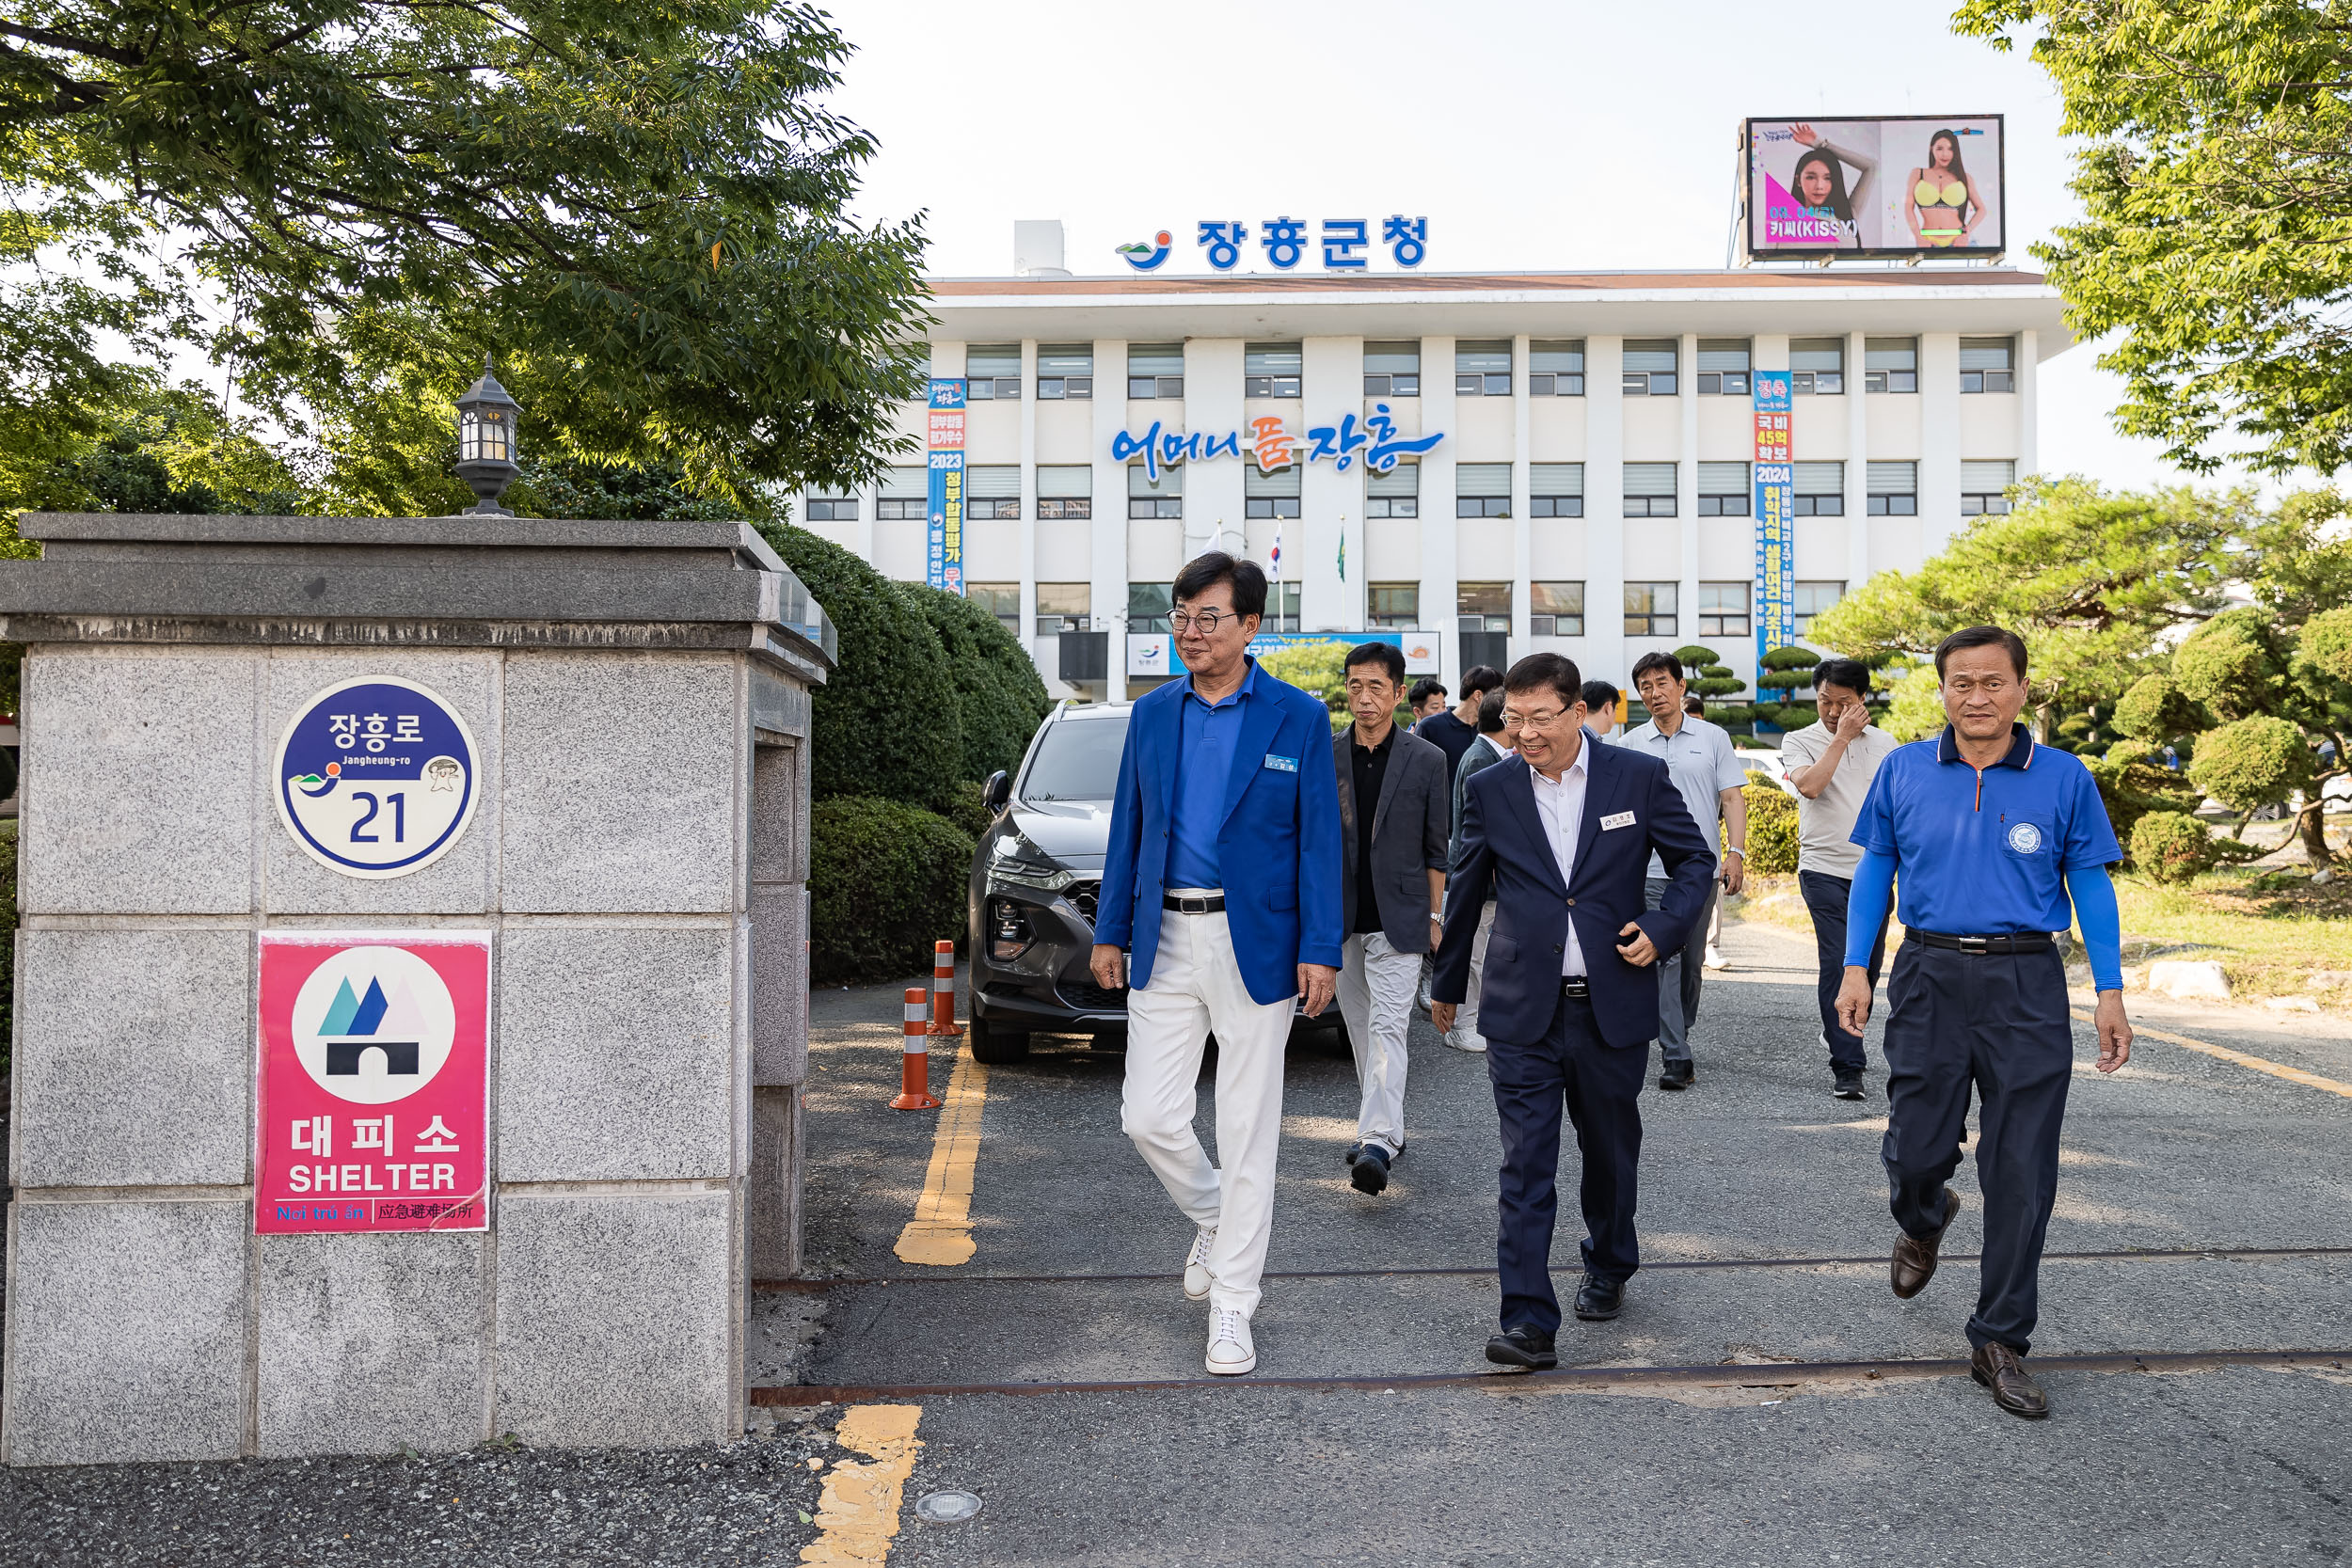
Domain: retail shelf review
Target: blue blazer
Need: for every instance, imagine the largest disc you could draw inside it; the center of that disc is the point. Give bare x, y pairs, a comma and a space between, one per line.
1279, 847
1505, 856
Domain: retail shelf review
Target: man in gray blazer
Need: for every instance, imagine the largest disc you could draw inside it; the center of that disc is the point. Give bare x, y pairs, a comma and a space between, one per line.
1394, 815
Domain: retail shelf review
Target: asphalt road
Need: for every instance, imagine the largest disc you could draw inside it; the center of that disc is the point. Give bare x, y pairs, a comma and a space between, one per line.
2201, 1200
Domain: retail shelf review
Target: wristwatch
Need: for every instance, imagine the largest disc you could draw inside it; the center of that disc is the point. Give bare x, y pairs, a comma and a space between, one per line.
1734, 849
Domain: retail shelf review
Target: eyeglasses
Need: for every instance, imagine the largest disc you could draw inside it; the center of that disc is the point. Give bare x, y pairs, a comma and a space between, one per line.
1543, 719
1206, 623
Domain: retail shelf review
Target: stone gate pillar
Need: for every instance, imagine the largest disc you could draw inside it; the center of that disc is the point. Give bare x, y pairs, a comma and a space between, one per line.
546, 862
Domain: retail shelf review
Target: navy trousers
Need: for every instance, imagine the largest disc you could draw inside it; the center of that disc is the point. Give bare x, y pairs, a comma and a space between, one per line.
1571, 1068
1994, 1024
1825, 896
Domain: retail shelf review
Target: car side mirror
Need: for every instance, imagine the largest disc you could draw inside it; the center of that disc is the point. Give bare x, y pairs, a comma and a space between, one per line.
998, 790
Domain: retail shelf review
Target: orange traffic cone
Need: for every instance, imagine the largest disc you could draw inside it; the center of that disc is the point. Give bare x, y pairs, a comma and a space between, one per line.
944, 991
915, 1065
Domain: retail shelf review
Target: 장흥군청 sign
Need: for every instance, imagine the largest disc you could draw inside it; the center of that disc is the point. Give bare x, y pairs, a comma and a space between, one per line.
376, 777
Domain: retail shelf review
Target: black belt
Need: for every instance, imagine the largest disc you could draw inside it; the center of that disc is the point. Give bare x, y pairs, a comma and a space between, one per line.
1194, 903
1575, 985
2016, 942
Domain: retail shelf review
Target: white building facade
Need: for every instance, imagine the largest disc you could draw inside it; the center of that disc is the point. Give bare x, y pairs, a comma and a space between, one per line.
1589, 491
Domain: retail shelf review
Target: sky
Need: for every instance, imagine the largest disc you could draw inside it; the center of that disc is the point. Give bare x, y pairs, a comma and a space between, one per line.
1558, 136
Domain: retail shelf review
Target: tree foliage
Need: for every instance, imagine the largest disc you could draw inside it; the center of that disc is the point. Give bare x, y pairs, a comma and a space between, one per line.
1000, 700
2217, 190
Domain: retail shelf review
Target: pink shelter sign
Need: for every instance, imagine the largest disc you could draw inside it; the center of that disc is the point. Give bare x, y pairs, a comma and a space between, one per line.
373, 1097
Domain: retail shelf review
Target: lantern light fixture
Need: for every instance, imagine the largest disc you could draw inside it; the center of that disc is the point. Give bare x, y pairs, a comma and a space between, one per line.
486, 444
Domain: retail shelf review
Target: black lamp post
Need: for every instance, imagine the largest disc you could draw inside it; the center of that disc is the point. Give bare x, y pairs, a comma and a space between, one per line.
486, 448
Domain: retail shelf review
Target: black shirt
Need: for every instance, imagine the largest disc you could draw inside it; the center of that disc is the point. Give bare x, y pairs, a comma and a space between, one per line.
1370, 771
1450, 736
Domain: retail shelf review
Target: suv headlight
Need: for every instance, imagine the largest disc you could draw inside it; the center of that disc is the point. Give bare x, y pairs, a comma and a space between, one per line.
1015, 862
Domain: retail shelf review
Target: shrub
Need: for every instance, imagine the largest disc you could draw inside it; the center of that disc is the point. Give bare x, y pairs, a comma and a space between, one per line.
2124, 752
1000, 700
2252, 763
1707, 673
2232, 664
2324, 650
2131, 788
1771, 827
969, 809
2155, 709
887, 722
2172, 846
886, 881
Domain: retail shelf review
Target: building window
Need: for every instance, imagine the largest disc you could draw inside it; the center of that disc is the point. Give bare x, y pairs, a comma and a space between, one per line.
1065, 491
1270, 371
1820, 490
1482, 606
1000, 599
1393, 370
833, 509
1893, 489
1649, 609
1481, 489
1394, 494
1064, 371
992, 490
992, 370
1812, 598
1066, 607
1722, 367
1555, 368
1890, 364
1282, 607
1148, 603
1392, 604
1983, 487
1156, 370
1650, 367
1147, 499
1987, 365
1723, 610
1649, 489
1481, 368
1724, 490
1270, 495
1555, 608
906, 495
1817, 365
1555, 489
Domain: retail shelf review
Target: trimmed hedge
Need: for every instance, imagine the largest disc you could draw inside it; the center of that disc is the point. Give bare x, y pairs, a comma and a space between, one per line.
1771, 827
1000, 700
886, 881
2172, 846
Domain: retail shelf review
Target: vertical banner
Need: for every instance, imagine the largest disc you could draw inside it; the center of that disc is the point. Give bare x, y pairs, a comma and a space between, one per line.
373, 1098
1775, 496
946, 555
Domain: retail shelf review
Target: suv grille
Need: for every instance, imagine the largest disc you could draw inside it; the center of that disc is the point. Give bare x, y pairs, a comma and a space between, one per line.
1086, 994
1084, 898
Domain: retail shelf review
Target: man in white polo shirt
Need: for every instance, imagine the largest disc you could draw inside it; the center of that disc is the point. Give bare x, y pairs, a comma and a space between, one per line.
1706, 773
1832, 763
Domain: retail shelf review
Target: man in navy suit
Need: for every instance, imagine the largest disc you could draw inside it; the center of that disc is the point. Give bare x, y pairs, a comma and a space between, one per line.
1561, 837
1224, 874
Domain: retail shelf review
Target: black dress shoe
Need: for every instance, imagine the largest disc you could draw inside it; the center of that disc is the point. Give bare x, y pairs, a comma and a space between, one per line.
1913, 1263
1849, 1086
1522, 1346
1678, 1075
1355, 1152
1600, 1300
1370, 1174
2002, 1371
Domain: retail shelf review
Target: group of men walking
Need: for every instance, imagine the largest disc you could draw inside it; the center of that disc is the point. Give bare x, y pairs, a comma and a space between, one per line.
1556, 882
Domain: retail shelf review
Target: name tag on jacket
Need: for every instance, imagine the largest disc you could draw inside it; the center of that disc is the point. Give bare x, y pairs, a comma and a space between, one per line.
1617, 819
1285, 765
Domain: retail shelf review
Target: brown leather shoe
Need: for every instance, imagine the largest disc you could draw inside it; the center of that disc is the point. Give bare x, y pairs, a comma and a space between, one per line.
1915, 1261
2002, 1371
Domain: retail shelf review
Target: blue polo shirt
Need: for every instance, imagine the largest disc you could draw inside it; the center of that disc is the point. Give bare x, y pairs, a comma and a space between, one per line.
1205, 766
1985, 853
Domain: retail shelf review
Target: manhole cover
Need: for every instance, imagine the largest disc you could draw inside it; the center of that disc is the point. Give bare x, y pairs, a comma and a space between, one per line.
946, 1507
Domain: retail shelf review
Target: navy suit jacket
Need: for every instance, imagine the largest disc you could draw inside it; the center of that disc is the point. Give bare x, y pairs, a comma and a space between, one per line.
1505, 856
1278, 851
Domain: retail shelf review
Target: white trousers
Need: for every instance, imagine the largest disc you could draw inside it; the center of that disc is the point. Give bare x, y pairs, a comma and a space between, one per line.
1466, 1016
1197, 988
1376, 1003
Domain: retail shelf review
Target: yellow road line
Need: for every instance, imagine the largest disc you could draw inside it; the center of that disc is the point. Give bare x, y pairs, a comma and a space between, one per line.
940, 1233
857, 1518
2275, 1069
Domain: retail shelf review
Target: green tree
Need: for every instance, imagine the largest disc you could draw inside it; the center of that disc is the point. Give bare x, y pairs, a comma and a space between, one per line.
1786, 672
1316, 667
1914, 708
645, 210
1709, 676
2217, 190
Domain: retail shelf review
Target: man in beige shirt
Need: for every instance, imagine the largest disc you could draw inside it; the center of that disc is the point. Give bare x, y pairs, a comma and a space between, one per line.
1832, 763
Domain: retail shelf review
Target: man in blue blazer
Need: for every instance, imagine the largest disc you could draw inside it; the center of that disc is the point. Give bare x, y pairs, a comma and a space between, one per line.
1561, 837
1224, 876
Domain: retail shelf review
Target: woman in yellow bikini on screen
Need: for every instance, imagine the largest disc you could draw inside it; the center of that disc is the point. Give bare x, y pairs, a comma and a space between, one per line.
1941, 202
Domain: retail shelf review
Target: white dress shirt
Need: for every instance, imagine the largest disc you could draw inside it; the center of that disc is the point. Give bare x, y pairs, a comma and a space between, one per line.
1561, 805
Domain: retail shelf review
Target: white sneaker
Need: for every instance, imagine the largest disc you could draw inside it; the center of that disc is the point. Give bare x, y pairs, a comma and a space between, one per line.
1197, 1276
1714, 959
1463, 1040
1230, 1350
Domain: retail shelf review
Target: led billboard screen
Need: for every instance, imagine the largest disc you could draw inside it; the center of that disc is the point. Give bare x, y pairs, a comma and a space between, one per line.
1914, 185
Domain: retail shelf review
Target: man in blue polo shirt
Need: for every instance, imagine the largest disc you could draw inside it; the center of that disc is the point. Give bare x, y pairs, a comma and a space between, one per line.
1991, 837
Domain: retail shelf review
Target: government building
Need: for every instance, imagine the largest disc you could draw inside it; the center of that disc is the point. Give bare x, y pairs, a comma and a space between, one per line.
1491, 465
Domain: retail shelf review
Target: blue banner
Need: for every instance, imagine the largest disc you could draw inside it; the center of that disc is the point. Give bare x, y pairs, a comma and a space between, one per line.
1776, 502
944, 556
